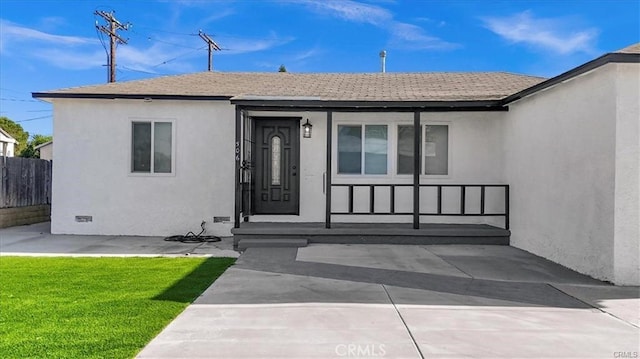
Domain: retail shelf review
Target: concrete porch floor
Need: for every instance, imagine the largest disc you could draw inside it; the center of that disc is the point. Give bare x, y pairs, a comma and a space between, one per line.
374, 233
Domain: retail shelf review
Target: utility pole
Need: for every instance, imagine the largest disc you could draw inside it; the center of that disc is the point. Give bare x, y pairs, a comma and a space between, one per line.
112, 32
212, 47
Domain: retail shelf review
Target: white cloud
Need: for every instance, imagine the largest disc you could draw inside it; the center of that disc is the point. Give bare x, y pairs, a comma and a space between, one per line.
13, 32
216, 16
553, 34
307, 54
352, 11
72, 59
414, 37
403, 35
233, 45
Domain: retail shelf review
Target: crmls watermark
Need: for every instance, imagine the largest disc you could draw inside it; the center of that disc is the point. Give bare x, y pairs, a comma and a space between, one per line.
625, 355
360, 350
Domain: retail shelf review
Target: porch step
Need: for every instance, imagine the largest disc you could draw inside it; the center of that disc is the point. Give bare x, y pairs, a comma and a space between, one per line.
243, 244
374, 233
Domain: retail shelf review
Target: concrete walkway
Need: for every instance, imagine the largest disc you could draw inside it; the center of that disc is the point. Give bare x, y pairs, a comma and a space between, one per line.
37, 240
373, 301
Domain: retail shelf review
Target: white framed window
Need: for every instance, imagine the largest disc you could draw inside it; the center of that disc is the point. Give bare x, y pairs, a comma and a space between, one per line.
152, 146
362, 149
434, 149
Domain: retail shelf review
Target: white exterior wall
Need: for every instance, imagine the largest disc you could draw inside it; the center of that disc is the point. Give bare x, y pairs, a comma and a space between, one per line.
7, 145
626, 256
46, 152
561, 162
93, 174
475, 156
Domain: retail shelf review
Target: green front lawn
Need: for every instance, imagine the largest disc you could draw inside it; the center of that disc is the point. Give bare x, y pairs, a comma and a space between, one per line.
94, 307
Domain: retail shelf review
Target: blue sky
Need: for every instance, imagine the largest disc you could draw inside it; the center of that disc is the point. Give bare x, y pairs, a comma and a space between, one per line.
50, 44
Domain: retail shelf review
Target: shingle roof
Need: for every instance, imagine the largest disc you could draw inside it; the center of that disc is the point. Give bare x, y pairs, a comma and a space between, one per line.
632, 49
434, 86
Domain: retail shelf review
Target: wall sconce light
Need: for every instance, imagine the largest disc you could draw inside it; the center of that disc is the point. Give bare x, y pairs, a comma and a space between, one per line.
306, 132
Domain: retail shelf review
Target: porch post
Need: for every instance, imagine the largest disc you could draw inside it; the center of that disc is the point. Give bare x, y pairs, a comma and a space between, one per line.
416, 169
327, 223
238, 187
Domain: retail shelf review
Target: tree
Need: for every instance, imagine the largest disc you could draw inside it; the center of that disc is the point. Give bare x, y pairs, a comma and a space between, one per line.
282, 69
37, 140
30, 150
16, 131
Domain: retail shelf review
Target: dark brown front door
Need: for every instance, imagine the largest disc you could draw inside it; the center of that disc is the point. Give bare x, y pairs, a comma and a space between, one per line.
277, 155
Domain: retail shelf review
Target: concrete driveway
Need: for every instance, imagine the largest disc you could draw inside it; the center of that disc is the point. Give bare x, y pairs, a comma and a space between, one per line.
393, 301
375, 301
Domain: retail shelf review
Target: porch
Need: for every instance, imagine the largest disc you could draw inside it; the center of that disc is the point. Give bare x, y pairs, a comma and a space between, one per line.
397, 205
373, 233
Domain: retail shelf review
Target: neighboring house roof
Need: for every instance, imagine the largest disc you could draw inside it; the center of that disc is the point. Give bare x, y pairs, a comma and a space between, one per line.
431, 86
42, 145
6, 137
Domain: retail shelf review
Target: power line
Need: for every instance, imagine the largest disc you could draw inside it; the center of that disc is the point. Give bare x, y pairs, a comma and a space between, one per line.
112, 32
35, 118
140, 71
165, 31
179, 56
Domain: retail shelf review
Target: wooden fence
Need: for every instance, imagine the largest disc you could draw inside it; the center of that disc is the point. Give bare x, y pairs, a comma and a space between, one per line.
25, 182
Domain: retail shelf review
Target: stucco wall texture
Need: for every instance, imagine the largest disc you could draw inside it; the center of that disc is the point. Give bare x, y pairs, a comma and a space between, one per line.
92, 171
573, 176
570, 154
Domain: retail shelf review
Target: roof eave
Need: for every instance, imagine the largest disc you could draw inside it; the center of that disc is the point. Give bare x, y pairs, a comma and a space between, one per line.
455, 105
111, 96
42, 145
614, 57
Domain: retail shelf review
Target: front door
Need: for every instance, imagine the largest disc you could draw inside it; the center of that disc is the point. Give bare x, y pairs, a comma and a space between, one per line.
277, 159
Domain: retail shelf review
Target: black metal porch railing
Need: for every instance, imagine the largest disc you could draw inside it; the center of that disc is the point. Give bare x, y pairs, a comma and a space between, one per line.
439, 212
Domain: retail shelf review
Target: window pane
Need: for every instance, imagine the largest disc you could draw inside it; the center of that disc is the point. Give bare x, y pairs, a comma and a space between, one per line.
436, 150
375, 149
141, 151
162, 147
275, 161
405, 149
350, 149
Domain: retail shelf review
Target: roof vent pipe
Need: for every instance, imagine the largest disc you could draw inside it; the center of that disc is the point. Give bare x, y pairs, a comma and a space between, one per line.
383, 56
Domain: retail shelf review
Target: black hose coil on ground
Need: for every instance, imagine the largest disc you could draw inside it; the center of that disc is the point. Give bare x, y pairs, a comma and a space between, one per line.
194, 238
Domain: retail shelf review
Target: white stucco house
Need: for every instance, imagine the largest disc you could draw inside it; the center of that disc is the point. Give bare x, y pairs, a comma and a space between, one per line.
46, 150
555, 161
7, 144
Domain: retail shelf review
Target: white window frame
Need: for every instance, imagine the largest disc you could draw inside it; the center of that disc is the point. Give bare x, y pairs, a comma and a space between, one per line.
362, 124
152, 121
392, 149
424, 150
423, 145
